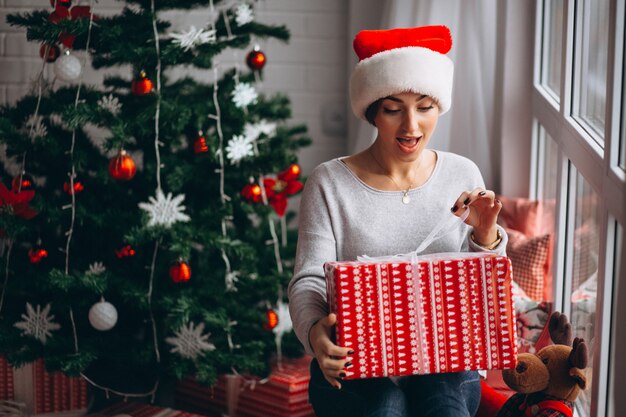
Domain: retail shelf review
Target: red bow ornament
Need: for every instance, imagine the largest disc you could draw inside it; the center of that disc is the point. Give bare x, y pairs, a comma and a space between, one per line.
276, 189
16, 203
77, 12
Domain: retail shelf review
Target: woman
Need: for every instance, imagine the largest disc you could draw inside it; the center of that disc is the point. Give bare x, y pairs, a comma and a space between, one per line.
383, 201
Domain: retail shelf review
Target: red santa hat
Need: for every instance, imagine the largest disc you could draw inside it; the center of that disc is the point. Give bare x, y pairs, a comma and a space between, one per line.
402, 60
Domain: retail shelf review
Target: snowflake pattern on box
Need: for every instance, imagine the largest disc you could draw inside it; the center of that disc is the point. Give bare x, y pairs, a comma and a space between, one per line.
238, 148
243, 14
165, 210
441, 315
244, 94
111, 104
38, 323
190, 342
193, 37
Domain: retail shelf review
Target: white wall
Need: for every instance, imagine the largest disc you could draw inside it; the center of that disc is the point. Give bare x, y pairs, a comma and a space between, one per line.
310, 69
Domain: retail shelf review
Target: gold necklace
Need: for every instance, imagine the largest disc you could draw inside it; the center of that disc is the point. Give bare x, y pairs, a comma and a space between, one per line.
406, 199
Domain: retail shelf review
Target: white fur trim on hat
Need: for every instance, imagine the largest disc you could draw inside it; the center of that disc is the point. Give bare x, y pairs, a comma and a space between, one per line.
409, 69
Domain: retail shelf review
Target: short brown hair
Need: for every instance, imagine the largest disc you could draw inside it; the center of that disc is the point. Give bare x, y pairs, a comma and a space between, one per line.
372, 111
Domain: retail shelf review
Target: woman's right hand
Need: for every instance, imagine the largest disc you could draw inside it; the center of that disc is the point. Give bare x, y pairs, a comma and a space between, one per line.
331, 358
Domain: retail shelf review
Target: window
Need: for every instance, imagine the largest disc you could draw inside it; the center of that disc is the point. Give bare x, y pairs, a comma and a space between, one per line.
592, 37
581, 52
585, 250
552, 47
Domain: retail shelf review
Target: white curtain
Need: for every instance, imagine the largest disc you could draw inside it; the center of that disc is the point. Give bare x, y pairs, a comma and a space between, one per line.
468, 128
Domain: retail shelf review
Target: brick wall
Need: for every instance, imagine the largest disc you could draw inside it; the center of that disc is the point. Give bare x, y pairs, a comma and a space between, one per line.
311, 69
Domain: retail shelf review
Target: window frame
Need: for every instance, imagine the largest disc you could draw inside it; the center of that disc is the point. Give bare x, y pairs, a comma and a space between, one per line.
579, 151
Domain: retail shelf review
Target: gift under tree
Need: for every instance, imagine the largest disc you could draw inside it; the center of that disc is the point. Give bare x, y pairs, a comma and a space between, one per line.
144, 220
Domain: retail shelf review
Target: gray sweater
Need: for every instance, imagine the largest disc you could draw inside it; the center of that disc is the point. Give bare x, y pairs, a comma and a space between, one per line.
341, 218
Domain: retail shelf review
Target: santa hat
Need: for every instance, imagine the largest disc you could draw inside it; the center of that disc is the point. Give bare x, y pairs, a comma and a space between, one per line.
402, 60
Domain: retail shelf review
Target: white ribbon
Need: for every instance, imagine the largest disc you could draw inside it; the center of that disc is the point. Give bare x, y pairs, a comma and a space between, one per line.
442, 229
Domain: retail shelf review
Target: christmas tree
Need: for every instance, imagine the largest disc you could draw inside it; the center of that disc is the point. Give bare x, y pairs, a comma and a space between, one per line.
159, 248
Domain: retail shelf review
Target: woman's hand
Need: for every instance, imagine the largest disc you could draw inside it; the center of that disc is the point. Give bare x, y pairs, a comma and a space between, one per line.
330, 357
483, 214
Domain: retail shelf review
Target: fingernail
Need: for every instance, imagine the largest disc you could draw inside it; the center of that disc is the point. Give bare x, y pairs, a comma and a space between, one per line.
350, 352
467, 200
482, 193
347, 365
454, 209
342, 374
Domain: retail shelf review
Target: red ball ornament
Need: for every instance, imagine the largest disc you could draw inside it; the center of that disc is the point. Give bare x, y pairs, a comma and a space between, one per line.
125, 252
272, 319
63, 3
49, 52
141, 86
78, 187
200, 146
256, 59
36, 255
22, 182
180, 272
122, 167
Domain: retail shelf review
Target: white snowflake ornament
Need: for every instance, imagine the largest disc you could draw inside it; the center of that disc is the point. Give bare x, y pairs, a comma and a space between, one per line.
239, 147
244, 95
165, 210
34, 127
243, 14
193, 37
96, 268
189, 341
38, 323
284, 320
111, 104
252, 131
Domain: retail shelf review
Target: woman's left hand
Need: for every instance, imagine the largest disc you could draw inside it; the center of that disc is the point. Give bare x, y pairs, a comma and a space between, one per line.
483, 214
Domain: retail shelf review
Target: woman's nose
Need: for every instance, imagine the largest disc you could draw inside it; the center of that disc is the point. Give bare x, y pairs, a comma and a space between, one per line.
411, 122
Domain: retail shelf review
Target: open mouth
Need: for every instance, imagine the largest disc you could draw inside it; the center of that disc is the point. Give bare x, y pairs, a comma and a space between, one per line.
408, 144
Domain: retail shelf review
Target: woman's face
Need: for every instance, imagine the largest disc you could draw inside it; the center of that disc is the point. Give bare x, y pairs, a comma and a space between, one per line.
405, 123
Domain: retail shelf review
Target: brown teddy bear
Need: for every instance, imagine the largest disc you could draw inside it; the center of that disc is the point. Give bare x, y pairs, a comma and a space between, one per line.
548, 382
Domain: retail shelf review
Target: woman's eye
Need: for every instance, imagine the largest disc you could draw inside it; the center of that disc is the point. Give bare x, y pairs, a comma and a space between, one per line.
425, 108
390, 111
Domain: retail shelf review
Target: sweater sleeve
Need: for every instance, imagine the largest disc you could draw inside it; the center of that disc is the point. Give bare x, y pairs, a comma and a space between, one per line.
316, 245
473, 246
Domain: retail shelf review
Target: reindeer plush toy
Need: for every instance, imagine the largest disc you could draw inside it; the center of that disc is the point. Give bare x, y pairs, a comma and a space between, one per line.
547, 383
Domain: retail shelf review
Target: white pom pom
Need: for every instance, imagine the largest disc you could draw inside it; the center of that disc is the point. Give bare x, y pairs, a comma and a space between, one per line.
103, 315
67, 67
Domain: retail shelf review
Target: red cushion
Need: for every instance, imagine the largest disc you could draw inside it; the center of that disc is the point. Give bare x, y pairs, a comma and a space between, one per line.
520, 214
530, 258
490, 401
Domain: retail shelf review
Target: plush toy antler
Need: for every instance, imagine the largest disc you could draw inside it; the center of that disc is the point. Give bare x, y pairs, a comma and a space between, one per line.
548, 382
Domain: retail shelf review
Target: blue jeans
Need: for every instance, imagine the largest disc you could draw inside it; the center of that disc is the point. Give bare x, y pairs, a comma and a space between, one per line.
436, 395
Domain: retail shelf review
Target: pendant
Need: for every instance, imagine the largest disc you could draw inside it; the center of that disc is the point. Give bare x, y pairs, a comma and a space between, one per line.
405, 198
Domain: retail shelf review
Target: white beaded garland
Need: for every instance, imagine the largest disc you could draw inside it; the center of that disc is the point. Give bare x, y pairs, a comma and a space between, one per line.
67, 67
103, 315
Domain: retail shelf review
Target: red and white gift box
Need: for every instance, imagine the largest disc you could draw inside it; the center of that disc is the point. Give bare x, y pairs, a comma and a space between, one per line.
433, 314
42, 392
283, 394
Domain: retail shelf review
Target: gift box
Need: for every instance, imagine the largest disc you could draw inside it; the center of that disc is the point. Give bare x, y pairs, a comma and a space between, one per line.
431, 314
141, 410
283, 394
40, 391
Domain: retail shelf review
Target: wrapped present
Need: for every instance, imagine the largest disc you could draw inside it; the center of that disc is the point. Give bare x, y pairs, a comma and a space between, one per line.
431, 314
42, 392
283, 394
141, 410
